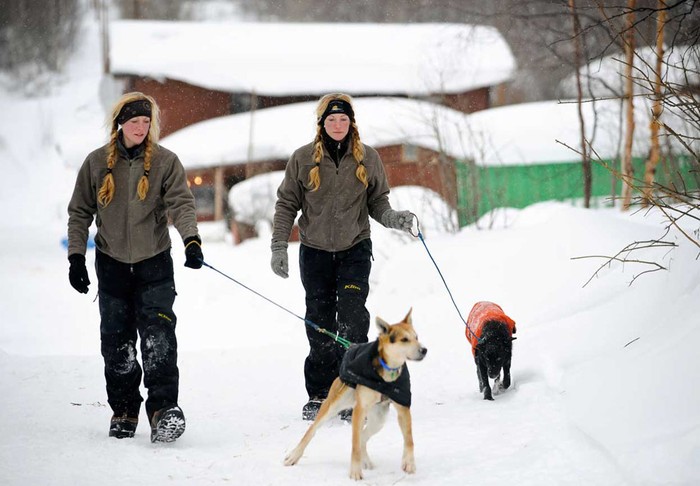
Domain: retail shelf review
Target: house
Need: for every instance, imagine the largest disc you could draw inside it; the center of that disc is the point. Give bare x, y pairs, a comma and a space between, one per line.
522, 154
203, 70
223, 88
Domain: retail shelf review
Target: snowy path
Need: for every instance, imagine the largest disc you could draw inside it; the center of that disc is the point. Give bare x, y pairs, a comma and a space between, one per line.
239, 431
583, 408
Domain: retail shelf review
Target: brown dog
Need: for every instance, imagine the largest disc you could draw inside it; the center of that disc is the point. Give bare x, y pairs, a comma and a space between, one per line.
372, 375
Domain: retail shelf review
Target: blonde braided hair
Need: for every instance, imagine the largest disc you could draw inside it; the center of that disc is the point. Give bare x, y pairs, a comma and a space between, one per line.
106, 192
358, 150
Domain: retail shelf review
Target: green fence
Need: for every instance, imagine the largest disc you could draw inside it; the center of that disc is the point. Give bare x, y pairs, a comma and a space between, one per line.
481, 189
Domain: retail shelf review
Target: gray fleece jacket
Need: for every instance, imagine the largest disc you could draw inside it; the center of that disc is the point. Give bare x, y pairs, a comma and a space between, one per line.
336, 216
128, 229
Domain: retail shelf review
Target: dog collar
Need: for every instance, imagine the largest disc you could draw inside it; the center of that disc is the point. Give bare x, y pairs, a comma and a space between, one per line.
394, 371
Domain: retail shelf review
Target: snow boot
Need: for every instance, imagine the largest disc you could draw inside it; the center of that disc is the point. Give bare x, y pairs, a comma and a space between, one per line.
123, 426
167, 424
311, 408
346, 415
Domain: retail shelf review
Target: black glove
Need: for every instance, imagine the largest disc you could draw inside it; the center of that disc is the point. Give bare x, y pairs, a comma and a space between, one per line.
193, 252
77, 273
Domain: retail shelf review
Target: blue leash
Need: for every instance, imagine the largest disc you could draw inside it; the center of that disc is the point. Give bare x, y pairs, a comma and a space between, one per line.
340, 340
420, 236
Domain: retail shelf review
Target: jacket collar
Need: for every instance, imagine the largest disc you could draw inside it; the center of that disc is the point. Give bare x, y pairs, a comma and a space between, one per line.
335, 149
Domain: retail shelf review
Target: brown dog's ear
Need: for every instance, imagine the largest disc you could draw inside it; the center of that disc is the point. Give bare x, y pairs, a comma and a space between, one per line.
382, 325
408, 319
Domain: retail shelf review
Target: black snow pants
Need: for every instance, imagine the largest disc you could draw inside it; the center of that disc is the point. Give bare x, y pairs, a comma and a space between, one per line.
336, 285
137, 300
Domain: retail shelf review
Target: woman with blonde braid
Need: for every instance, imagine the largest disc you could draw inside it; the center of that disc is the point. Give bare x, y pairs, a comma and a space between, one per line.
337, 182
130, 187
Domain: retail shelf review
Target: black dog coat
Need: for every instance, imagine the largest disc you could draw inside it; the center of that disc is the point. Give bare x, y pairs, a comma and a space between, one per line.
357, 369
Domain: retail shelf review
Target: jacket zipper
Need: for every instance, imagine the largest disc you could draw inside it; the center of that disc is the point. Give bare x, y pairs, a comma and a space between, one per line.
337, 158
335, 190
128, 215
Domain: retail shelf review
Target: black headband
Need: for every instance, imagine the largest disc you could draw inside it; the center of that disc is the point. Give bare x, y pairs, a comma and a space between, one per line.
336, 107
135, 108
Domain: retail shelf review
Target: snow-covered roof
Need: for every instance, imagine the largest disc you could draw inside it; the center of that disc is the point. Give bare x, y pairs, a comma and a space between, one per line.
274, 133
309, 58
510, 135
605, 77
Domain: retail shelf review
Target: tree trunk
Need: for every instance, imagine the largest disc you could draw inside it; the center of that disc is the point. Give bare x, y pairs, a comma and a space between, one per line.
627, 169
654, 153
585, 159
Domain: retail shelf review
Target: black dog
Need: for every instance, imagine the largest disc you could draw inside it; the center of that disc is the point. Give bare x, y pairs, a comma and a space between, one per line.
490, 332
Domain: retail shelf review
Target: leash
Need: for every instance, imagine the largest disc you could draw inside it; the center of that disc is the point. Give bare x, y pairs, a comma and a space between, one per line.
338, 339
420, 236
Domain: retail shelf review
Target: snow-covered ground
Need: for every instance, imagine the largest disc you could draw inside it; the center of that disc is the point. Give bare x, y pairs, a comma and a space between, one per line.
605, 377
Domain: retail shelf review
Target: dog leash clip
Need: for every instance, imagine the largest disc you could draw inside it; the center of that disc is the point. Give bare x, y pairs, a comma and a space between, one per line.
418, 234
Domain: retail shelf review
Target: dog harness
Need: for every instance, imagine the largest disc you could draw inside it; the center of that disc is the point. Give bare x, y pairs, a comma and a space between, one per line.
357, 368
481, 313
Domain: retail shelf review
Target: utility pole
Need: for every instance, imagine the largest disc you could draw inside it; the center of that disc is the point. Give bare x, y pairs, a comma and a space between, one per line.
103, 15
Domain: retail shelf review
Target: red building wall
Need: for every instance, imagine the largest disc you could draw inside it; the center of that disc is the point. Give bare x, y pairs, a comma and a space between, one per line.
469, 102
182, 104
426, 170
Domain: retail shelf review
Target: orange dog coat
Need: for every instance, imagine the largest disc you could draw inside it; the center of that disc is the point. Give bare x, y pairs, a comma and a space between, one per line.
481, 313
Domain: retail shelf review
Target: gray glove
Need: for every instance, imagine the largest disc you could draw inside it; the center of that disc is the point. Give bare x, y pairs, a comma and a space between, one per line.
400, 220
280, 260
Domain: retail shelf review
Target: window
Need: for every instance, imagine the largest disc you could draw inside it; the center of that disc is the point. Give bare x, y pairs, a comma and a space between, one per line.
204, 201
410, 153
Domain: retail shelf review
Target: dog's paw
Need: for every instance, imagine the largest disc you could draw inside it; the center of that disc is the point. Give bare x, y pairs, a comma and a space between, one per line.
408, 465
367, 463
355, 472
488, 396
292, 458
498, 387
